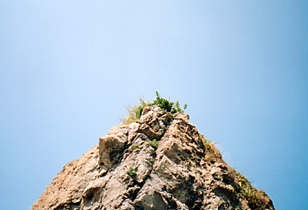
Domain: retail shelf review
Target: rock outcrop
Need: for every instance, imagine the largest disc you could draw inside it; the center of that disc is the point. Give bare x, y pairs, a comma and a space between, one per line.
158, 162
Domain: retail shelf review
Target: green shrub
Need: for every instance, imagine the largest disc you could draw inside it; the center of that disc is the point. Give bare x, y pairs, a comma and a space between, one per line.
131, 171
135, 112
154, 143
168, 106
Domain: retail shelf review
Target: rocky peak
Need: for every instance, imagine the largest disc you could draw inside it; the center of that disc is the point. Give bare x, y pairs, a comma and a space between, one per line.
158, 162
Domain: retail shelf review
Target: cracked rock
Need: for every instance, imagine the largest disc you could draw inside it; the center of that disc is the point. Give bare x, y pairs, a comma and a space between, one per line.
159, 162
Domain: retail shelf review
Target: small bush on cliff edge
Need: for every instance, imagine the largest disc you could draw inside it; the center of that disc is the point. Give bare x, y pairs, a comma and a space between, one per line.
256, 198
167, 105
134, 112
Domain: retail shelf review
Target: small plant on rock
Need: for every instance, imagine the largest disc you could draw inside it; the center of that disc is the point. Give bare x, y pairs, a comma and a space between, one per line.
131, 171
256, 198
167, 105
135, 112
154, 143
152, 160
211, 152
134, 146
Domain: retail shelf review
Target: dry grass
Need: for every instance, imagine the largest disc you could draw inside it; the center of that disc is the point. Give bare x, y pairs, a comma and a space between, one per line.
211, 152
134, 112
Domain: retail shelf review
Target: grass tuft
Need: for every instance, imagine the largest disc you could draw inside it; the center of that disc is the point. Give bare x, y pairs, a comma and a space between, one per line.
211, 152
257, 199
154, 143
134, 112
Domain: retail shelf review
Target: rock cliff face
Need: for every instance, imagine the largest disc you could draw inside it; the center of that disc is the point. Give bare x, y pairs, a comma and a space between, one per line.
158, 162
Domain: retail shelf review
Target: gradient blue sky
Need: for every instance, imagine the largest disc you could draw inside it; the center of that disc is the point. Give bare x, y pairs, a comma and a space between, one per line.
69, 69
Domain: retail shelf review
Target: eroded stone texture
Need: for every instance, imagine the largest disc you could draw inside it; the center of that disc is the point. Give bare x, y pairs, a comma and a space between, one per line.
128, 171
67, 188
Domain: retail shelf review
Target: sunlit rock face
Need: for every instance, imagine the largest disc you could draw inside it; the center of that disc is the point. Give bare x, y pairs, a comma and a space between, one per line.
158, 162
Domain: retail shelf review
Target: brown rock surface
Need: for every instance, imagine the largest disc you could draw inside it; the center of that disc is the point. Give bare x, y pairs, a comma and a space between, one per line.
158, 162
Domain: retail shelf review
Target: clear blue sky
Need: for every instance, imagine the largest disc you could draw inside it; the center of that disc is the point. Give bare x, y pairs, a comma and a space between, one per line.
69, 69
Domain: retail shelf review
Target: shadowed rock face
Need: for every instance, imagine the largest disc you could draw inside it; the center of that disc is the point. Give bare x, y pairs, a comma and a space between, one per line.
158, 162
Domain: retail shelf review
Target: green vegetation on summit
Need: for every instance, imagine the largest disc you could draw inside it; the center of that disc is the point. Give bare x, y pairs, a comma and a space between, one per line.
135, 112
